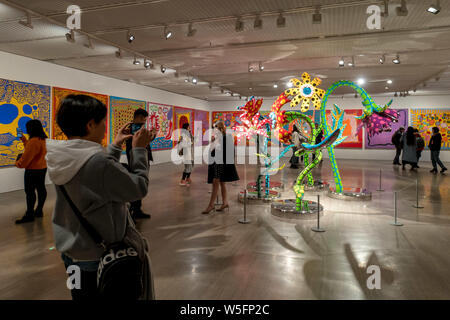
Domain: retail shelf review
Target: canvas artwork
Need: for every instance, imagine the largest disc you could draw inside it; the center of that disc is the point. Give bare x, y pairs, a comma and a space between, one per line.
383, 140
425, 119
58, 96
354, 137
229, 118
182, 116
19, 103
121, 112
202, 116
160, 117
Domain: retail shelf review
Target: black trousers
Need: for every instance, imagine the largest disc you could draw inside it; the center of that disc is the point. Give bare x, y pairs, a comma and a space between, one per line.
135, 206
35, 181
398, 151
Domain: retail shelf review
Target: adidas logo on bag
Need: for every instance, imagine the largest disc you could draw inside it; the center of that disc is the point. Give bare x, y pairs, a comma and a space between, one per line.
114, 256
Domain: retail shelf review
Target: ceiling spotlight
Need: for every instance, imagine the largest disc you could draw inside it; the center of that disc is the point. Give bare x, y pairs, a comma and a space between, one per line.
361, 81
402, 11
191, 31
396, 60
435, 8
341, 62
163, 69
70, 36
352, 63
147, 64
275, 86
119, 53
261, 67
130, 37
167, 33
382, 59
136, 61
281, 21
27, 23
250, 68
239, 25
194, 80
258, 23
389, 81
186, 80
317, 16
386, 88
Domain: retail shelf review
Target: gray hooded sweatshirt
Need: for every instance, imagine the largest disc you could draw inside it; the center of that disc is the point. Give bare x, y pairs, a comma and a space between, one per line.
99, 186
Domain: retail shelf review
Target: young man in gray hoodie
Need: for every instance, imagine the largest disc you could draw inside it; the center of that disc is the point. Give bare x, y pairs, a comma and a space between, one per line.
96, 182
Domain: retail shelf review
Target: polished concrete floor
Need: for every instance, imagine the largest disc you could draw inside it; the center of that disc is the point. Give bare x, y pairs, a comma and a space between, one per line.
213, 256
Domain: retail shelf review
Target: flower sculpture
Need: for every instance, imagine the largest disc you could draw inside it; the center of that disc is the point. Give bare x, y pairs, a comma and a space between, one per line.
305, 92
252, 121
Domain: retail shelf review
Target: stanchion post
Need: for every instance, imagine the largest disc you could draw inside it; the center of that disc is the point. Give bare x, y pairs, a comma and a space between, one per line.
245, 220
396, 223
379, 188
417, 206
318, 228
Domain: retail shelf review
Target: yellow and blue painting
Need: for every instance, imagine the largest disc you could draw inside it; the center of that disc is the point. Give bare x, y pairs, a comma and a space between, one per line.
20, 102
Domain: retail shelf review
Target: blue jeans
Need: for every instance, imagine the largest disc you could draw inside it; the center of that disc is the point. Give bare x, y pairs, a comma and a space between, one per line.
88, 279
435, 159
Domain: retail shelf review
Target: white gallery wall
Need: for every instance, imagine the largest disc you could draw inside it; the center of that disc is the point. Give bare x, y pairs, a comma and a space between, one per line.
18, 68
355, 103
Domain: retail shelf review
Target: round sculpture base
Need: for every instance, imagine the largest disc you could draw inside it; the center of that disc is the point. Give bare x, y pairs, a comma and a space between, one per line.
274, 185
350, 194
318, 186
252, 196
286, 209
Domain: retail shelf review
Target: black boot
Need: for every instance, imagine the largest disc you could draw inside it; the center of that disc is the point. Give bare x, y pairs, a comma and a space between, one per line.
434, 170
444, 169
139, 214
38, 213
28, 217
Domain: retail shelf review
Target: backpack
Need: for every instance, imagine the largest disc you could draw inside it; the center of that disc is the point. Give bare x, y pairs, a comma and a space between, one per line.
420, 143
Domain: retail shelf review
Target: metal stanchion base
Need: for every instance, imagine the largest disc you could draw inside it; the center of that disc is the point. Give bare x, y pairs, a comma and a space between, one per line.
417, 207
319, 185
315, 229
274, 185
398, 224
350, 194
252, 196
244, 221
286, 209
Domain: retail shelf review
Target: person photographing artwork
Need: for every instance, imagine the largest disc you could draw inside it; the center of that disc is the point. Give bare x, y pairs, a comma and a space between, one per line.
139, 119
186, 151
33, 161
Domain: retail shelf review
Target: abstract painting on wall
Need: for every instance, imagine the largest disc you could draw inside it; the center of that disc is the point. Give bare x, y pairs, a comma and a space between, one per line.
160, 117
383, 140
354, 137
229, 118
203, 117
121, 112
58, 96
425, 119
182, 116
19, 103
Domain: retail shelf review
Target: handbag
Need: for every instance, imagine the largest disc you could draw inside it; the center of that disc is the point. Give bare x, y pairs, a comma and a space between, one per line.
120, 271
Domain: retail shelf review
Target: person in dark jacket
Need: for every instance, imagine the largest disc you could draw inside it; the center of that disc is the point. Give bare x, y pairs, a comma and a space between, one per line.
139, 119
409, 144
396, 138
420, 145
435, 148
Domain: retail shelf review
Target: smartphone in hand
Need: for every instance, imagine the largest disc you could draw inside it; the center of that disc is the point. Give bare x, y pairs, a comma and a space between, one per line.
135, 127
19, 133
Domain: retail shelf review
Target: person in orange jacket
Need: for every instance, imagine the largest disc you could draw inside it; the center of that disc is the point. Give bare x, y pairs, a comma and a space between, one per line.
33, 161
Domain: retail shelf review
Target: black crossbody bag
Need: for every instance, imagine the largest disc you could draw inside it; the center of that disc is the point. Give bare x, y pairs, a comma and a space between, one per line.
120, 271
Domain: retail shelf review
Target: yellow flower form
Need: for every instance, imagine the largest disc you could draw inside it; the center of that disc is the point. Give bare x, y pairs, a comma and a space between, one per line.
305, 92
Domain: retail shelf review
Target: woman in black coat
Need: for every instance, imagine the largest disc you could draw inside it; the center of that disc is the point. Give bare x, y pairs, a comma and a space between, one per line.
221, 167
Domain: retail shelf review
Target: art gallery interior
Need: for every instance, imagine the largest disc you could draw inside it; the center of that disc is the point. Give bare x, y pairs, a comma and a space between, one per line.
317, 230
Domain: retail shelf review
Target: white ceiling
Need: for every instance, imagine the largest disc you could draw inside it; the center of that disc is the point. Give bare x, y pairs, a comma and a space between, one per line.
219, 56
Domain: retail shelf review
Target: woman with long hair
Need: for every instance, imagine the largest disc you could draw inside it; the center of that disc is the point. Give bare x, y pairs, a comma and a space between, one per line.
409, 142
221, 167
185, 150
33, 161
296, 138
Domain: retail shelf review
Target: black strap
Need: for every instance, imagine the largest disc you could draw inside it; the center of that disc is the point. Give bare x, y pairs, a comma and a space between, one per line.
86, 225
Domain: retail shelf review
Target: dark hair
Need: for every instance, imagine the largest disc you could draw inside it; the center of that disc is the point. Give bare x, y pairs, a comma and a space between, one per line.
140, 112
76, 111
416, 130
410, 137
435, 129
185, 125
35, 130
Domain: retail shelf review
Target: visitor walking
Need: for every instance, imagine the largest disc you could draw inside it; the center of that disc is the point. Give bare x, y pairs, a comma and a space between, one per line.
435, 148
221, 168
409, 144
396, 141
33, 161
296, 142
186, 151
420, 145
92, 191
